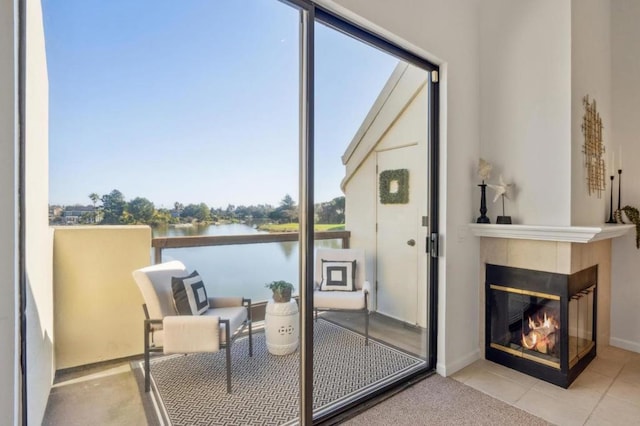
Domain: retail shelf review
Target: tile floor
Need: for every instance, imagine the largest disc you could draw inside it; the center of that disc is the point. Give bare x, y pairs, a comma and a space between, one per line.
606, 393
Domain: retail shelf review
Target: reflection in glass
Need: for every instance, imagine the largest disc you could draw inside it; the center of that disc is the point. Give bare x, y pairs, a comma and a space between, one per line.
347, 149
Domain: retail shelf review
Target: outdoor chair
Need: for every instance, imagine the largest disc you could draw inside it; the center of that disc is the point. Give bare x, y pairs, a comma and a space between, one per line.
168, 329
340, 283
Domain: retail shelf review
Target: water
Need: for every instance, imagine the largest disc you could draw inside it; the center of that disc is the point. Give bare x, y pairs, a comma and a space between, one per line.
238, 270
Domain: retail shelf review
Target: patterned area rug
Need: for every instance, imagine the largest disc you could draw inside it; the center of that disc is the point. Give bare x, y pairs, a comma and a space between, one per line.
191, 390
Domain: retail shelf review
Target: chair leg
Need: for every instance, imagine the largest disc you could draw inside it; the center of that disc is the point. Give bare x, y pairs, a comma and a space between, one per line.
147, 367
250, 321
250, 339
366, 327
228, 347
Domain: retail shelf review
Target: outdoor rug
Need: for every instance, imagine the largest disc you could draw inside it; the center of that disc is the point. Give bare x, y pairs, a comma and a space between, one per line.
191, 390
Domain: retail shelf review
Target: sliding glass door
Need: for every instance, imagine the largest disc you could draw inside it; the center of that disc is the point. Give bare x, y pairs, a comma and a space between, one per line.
370, 157
369, 169
227, 127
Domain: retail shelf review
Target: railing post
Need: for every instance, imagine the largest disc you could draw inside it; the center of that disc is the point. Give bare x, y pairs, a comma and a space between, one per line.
157, 256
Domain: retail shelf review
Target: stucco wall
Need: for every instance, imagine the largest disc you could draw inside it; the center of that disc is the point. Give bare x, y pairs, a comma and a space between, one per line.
98, 312
39, 237
525, 106
447, 33
590, 75
625, 291
9, 348
409, 128
360, 216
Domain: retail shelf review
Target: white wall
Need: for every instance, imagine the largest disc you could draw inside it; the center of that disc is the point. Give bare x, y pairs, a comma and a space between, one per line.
398, 117
590, 75
447, 33
359, 219
9, 347
525, 106
39, 238
625, 285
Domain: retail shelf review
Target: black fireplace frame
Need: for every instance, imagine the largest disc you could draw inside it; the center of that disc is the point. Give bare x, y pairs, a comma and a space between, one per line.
549, 283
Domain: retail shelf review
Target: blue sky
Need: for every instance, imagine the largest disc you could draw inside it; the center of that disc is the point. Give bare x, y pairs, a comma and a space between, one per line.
196, 101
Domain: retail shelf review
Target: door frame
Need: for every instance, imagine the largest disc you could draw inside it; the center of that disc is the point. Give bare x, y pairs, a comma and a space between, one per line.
314, 13
310, 13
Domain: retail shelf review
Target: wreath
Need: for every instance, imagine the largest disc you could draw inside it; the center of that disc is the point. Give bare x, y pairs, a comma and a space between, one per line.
399, 196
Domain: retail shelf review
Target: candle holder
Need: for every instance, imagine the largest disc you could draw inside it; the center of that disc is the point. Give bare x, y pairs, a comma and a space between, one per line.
611, 219
619, 184
483, 204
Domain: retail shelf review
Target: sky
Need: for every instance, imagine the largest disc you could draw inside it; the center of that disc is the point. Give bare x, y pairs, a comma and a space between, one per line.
196, 101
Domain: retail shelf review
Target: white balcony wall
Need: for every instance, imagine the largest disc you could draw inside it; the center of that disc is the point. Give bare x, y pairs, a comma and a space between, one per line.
9, 347
38, 235
98, 312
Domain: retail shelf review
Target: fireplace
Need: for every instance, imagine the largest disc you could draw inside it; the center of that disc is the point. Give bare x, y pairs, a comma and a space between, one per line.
541, 323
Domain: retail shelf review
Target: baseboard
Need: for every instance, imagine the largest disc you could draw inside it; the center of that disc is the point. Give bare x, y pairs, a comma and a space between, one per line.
625, 344
452, 367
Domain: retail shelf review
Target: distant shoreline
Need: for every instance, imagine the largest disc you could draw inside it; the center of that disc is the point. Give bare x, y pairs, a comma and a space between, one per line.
295, 227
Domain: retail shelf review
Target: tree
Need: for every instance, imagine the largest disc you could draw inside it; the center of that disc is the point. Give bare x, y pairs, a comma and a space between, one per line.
287, 203
113, 205
161, 217
198, 212
330, 211
286, 211
141, 210
94, 199
289, 209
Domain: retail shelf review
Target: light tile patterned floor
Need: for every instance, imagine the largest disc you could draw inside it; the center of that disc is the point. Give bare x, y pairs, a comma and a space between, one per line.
606, 393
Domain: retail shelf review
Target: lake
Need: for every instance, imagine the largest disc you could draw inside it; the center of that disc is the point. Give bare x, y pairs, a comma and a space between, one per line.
239, 270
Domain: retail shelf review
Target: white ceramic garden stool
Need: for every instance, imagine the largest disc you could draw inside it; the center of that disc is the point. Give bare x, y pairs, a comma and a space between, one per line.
281, 327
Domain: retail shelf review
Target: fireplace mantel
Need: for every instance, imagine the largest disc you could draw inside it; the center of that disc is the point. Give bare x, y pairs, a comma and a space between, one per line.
570, 234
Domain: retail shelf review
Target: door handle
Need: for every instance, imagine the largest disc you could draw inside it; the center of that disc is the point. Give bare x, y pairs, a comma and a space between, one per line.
411, 242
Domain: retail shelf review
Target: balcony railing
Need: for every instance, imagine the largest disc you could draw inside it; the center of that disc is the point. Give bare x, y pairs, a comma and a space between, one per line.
161, 243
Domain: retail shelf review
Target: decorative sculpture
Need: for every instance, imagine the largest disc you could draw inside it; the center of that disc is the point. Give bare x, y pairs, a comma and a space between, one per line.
593, 148
503, 190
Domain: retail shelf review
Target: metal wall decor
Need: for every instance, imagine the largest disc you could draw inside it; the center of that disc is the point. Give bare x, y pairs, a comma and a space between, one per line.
394, 186
593, 148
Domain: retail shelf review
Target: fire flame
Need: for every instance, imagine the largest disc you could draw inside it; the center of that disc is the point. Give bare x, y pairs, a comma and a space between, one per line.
540, 337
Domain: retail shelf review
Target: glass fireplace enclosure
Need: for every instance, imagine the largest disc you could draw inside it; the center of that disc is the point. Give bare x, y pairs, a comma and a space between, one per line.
541, 323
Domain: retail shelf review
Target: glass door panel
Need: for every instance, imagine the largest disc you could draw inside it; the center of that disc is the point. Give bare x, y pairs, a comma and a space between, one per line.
371, 179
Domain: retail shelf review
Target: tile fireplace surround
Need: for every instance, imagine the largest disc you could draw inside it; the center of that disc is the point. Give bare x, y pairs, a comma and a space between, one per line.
562, 250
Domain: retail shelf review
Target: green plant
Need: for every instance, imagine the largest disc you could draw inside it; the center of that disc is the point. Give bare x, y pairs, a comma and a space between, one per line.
281, 290
634, 216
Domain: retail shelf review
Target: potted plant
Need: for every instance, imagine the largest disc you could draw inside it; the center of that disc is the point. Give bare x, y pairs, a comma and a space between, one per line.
281, 291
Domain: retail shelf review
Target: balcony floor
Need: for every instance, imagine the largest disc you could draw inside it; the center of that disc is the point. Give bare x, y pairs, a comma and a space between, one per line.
607, 392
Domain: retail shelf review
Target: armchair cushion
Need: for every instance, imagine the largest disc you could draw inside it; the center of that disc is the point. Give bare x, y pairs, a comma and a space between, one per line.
191, 334
189, 294
225, 302
154, 283
236, 316
338, 275
352, 300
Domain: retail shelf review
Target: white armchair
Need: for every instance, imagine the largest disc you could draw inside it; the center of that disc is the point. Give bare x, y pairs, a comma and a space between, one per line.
357, 300
168, 332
